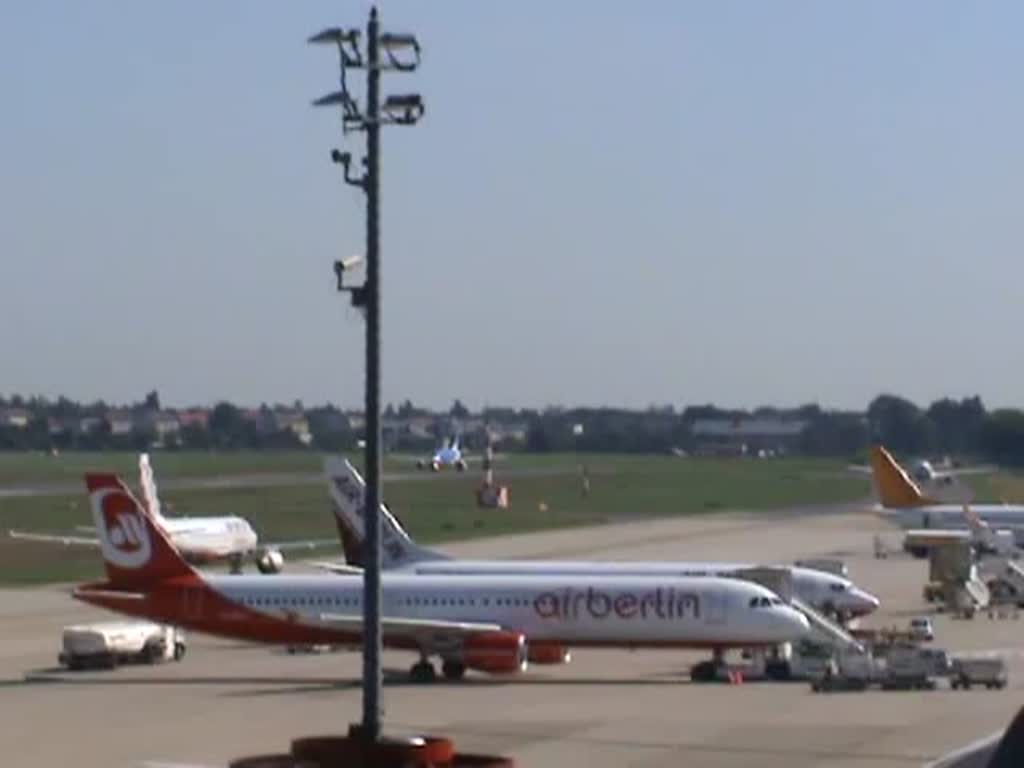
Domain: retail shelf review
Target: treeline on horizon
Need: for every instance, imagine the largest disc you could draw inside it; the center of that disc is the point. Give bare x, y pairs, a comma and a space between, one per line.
958, 428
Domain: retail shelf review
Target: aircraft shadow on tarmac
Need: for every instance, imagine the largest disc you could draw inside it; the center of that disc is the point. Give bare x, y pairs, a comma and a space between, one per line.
250, 685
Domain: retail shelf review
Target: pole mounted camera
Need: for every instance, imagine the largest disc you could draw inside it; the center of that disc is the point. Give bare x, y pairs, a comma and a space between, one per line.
343, 267
344, 159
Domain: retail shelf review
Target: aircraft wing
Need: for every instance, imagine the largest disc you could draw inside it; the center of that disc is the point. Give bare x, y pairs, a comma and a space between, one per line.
340, 568
425, 628
961, 471
285, 546
55, 538
859, 468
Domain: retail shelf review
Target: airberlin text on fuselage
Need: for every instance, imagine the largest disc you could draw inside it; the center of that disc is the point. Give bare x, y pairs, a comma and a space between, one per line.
570, 604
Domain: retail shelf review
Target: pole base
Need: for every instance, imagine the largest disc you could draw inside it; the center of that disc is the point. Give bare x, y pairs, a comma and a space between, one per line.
356, 751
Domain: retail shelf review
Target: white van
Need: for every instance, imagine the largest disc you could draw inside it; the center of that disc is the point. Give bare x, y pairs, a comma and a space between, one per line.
109, 643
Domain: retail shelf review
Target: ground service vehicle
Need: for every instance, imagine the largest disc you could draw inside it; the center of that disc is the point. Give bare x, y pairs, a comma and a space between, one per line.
989, 671
907, 668
107, 644
852, 672
921, 628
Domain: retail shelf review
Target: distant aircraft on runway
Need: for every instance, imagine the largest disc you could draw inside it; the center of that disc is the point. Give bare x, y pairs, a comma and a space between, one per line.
494, 624
201, 540
823, 591
940, 480
903, 503
448, 455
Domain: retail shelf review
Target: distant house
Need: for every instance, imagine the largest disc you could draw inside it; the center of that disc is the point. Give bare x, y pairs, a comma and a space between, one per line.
194, 417
747, 435
328, 420
121, 423
14, 417
512, 431
294, 422
261, 418
165, 424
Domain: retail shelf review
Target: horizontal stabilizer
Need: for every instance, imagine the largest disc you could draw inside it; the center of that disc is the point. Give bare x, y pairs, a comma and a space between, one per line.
107, 594
56, 538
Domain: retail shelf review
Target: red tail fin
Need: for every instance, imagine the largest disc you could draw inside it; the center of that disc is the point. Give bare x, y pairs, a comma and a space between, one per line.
136, 552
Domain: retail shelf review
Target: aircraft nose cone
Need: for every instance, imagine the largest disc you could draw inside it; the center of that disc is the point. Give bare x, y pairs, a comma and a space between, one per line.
864, 602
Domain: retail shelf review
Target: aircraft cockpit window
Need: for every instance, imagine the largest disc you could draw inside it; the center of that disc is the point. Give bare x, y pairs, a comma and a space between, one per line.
837, 587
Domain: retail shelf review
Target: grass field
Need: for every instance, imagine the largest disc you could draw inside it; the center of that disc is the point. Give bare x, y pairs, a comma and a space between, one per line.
999, 487
434, 507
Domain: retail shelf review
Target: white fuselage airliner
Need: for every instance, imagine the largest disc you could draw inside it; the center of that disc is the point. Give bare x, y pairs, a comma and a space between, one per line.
200, 540
821, 590
487, 623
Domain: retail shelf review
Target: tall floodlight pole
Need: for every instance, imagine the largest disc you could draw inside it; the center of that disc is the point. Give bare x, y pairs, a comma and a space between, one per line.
383, 52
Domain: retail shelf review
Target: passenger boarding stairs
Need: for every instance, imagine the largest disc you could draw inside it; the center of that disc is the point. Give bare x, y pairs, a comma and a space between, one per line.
823, 630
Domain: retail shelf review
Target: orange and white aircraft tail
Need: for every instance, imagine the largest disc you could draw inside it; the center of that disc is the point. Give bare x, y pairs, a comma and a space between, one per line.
136, 552
895, 488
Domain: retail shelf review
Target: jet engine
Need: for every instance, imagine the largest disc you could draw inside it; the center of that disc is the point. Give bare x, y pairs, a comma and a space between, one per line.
435, 466
495, 652
270, 561
548, 653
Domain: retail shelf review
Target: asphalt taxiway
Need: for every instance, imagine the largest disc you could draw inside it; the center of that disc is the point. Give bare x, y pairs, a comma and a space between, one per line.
606, 708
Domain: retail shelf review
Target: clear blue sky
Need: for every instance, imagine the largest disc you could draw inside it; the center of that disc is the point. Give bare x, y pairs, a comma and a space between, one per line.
622, 204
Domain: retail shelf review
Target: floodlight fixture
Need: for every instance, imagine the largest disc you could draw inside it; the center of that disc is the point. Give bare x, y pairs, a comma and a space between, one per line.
397, 48
351, 117
347, 41
402, 110
335, 36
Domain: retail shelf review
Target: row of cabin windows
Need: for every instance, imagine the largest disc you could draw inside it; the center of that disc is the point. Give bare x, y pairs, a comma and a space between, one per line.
300, 600
410, 601
463, 601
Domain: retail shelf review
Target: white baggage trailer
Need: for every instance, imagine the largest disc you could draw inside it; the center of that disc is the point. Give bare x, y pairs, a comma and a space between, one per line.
989, 671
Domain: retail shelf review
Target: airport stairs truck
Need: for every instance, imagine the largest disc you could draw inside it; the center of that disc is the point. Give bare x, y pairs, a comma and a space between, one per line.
805, 659
963, 591
1005, 580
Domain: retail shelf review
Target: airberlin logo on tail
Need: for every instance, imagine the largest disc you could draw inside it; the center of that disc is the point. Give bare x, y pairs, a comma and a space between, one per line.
572, 605
123, 534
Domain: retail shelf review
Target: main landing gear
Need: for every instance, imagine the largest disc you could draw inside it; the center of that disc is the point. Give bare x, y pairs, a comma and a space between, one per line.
453, 670
709, 670
422, 672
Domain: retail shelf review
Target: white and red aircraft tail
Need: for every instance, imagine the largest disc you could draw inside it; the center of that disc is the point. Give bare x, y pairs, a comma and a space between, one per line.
136, 551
